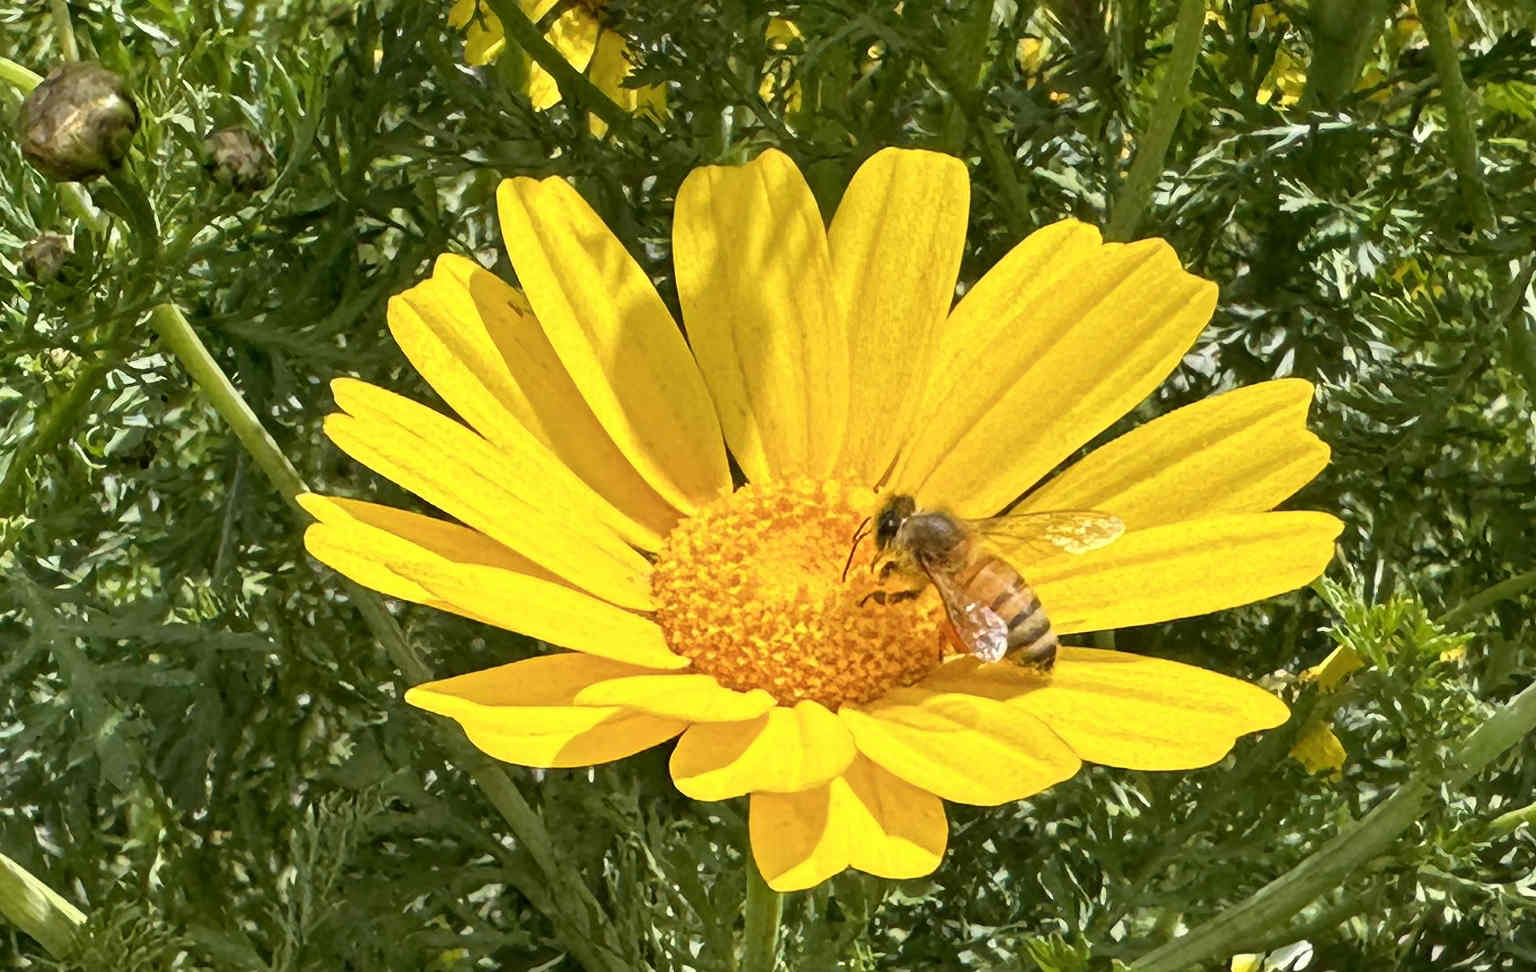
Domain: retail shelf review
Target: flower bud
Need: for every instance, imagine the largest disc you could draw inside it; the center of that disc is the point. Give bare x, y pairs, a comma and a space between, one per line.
236, 157
78, 123
46, 256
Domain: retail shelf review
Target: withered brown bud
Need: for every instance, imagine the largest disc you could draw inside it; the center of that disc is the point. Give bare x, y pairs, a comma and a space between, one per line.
237, 158
46, 256
78, 123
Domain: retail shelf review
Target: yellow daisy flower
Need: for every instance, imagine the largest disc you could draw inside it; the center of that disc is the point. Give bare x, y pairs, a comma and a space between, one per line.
578, 34
595, 508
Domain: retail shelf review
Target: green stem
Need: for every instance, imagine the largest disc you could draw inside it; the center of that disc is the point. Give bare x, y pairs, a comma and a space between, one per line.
37, 909
66, 31
1506, 823
764, 909
1330, 865
575, 89
1343, 32
1458, 112
1483, 600
19, 76
1152, 151
578, 916
173, 328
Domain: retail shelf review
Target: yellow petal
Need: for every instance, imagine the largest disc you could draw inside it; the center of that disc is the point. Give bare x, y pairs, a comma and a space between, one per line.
476, 341
866, 819
483, 36
1242, 452
525, 500
755, 283
1319, 750
1141, 713
610, 66
1179, 570
1058, 340
449, 567
616, 340
1342, 662
960, 747
523, 713
573, 34
360, 538
782, 751
896, 244
692, 698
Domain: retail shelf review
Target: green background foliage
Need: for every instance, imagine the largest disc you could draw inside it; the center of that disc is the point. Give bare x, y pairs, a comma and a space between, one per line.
206, 750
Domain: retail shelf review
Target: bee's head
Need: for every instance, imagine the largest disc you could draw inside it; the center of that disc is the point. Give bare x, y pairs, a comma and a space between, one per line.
893, 513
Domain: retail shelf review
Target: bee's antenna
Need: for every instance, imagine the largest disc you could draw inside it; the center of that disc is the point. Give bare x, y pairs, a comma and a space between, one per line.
858, 538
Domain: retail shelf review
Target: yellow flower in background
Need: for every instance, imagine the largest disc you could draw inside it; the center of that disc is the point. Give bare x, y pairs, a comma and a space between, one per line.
781, 35
594, 509
578, 34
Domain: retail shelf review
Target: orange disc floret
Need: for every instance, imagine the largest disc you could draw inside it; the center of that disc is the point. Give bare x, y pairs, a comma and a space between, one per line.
751, 590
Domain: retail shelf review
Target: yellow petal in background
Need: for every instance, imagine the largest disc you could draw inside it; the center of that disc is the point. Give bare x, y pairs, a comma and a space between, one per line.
1133, 712
574, 34
610, 66
483, 35
524, 713
960, 747
896, 244
1241, 452
475, 340
1184, 569
755, 282
1342, 662
783, 751
616, 339
867, 819
526, 500
691, 697
446, 566
1319, 750
1058, 340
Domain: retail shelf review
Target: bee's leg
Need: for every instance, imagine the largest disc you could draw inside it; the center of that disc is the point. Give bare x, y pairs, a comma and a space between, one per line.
889, 597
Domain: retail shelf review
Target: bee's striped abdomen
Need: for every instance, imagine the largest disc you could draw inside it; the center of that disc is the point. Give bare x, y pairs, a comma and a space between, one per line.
992, 581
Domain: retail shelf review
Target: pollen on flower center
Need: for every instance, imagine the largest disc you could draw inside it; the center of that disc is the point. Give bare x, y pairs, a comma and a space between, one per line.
751, 590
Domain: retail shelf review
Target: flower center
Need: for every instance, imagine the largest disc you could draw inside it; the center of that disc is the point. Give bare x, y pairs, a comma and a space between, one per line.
751, 590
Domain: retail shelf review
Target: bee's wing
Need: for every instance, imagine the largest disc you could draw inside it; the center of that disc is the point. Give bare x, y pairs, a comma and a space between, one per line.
977, 627
1036, 536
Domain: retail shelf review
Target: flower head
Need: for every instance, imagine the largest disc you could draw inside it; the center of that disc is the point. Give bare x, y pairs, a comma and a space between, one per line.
78, 124
581, 37
595, 507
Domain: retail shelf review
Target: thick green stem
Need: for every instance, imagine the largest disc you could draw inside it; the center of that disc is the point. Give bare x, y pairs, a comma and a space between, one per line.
576, 911
1506, 823
1483, 600
66, 31
1458, 113
575, 88
173, 328
37, 909
1152, 151
1343, 33
19, 76
1329, 866
763, 911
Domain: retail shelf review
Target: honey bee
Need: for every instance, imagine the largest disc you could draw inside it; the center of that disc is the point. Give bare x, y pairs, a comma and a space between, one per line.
992, 612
